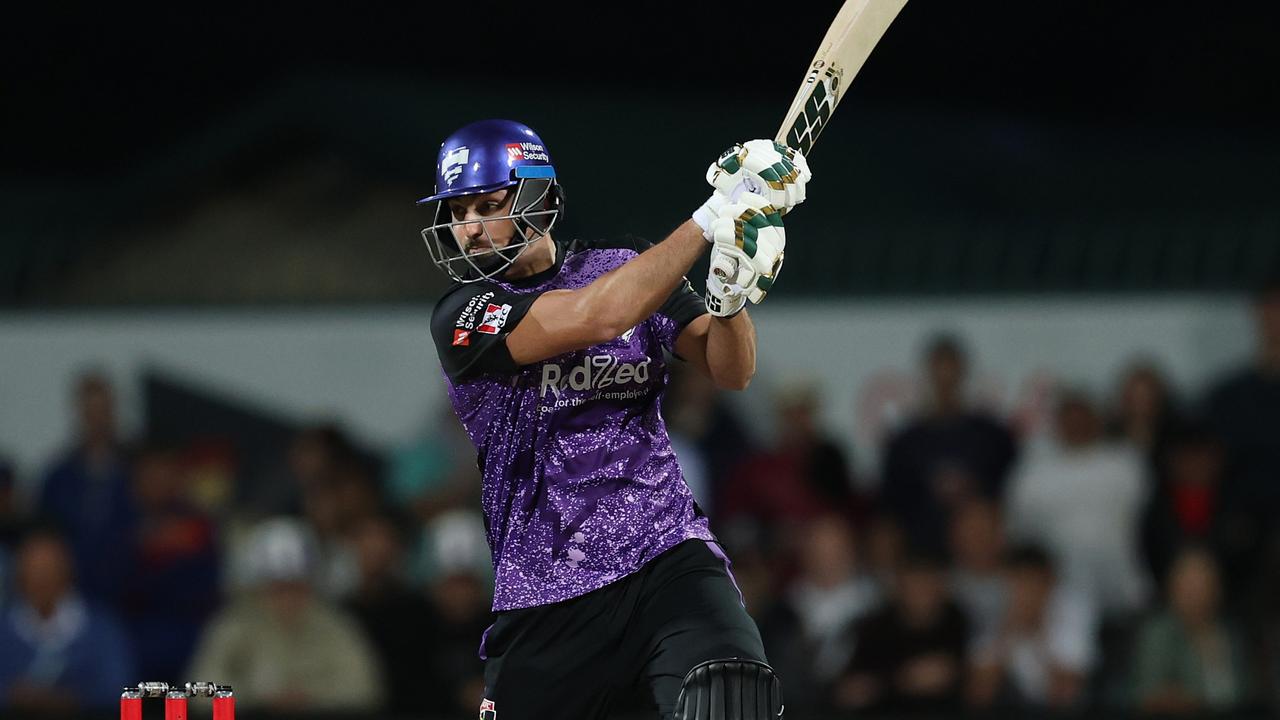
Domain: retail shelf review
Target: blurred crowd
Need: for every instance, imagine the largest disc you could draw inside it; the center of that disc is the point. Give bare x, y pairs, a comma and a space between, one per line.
1125, 559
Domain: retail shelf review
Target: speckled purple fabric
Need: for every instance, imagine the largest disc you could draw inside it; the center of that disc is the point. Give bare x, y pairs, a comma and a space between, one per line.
581, 486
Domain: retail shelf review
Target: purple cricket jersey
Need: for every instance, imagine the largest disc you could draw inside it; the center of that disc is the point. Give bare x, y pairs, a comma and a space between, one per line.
581, 486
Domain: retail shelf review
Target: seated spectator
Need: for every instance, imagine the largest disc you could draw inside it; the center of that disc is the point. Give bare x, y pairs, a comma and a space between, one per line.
311, 459
59, 653
909, 655
334, 507
436, 473
1189, 658
804, 474
459, 590
950, 452
1263, 632
820, 606
395, 616
1041, 653
977, 575
88, 494
1186, 506
283, 648
173, 588
1082, 499
886, 547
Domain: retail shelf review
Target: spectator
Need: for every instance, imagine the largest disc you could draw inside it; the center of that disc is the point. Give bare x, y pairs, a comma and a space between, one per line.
1144, 415
1189, 659
311, 460
910, 655
459, 590
950, 452
886, 548
697, 412
394, 616
283, 648
1186, 506
59, 653
686, 415
977, 574
1082, 499
820, 607
335, 506
88, 493
10, 526
173, 588
1264, 631
437, 473
1244, 409
802, 476
460, 602
1042, 652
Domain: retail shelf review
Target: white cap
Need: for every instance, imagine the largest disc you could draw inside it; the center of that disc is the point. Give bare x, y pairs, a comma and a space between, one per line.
281, 549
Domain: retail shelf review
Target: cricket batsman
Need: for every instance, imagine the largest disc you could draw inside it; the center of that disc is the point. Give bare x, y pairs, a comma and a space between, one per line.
555, 356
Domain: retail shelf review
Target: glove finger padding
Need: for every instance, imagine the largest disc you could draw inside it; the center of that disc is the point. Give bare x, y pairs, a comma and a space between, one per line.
774, 171
750, 239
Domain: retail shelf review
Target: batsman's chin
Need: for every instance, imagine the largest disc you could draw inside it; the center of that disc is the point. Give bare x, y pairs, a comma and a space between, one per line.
484, 254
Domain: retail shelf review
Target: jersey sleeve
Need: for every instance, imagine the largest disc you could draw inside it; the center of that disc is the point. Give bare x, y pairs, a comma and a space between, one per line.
683, 305
470, 325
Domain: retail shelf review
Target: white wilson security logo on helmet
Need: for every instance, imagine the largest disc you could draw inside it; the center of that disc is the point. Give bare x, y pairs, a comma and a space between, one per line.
527, 151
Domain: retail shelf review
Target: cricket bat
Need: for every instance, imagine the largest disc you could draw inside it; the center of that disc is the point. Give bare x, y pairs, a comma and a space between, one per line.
852, 35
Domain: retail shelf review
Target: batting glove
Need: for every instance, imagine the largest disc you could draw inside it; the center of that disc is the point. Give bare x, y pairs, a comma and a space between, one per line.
764, 167
748, 242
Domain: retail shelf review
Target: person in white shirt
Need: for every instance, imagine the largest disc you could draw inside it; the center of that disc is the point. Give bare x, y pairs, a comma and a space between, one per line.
1082, 499
1041, 653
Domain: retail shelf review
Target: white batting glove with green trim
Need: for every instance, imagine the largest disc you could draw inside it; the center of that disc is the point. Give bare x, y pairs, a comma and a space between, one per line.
764, 167
748, 243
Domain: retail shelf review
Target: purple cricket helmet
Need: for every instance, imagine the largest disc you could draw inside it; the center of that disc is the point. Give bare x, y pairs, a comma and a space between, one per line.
484, 157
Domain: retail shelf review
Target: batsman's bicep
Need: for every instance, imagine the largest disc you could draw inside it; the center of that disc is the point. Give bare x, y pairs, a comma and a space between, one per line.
691, 344
555, 324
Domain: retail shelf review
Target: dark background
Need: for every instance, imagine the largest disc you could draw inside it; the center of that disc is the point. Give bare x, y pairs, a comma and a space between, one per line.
89, 90
1061, 147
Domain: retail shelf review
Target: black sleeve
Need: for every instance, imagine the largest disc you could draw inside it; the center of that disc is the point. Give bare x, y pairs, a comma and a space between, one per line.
683, 305
470, 325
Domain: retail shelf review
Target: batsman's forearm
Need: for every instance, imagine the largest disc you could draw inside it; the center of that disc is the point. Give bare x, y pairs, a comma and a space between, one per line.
731, 351
629, 294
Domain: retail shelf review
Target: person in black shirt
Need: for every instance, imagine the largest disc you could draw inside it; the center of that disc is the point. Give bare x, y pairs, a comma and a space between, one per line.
910, 655
949, 453
1244, 410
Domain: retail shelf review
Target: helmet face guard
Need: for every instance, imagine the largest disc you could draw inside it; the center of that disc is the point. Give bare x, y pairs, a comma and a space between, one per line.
535, 209
484, 157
